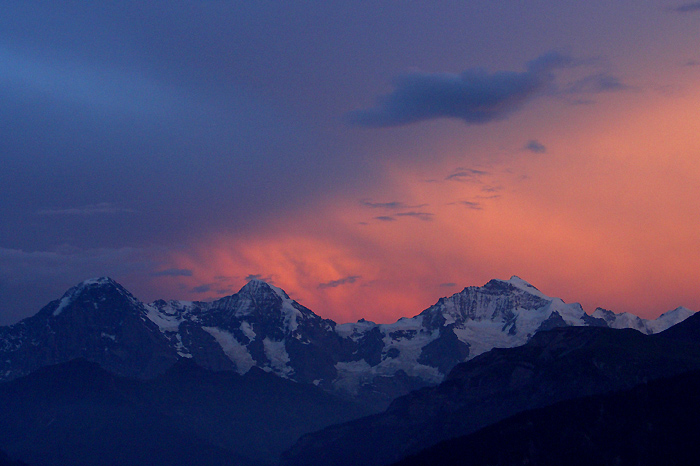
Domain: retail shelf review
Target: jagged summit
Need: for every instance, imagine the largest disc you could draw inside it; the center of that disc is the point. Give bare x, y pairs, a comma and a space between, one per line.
103, 283
258, 297
99, 281
516, 282
525, 286
680, 310
257, 287
627, 320
89, 290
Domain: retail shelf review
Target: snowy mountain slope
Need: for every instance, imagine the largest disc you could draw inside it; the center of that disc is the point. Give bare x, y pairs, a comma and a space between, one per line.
502, 313
261, 326
258, 326
627, 320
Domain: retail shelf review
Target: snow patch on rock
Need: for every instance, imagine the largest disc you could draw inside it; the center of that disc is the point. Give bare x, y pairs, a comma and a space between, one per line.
232, 348
276, 353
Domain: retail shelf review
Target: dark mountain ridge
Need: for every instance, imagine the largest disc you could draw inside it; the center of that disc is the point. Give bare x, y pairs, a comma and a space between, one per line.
78, 413
654, 423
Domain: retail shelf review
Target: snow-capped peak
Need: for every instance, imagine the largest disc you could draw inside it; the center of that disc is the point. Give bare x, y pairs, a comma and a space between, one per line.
521, 284
100, 281
255, 287
648, 326
259, 297
72, 294
679, 311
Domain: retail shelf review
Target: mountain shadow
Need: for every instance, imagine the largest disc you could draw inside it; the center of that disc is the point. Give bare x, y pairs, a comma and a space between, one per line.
7, 461
79, 414
652, 424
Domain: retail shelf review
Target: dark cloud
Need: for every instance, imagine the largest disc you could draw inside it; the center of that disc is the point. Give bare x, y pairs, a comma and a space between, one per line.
535, 146
448, 285
469, 204
472, 205
258, 276
342, 281
691, 63
173, 273
427, 216
391, 205
687, 7
474, 96
201, 289
595, 84
384, 205
466, 174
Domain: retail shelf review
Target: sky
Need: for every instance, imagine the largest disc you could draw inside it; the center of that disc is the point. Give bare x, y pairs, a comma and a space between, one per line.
366, 157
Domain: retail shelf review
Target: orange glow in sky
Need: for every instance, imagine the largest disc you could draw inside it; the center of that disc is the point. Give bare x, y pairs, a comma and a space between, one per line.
609, 215
368, 158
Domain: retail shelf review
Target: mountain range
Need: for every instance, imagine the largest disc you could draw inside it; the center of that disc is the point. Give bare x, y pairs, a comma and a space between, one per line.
261, 326
99, 377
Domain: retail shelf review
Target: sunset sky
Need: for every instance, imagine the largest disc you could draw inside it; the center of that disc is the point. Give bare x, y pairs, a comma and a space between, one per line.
366, 157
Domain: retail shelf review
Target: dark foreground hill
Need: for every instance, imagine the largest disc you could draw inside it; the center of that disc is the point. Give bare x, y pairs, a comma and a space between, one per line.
556, 365
652, 424
77, 413
7, 461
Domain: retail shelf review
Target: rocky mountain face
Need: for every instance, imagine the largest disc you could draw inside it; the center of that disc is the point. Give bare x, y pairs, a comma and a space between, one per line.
261, 326
555, 365
97, 320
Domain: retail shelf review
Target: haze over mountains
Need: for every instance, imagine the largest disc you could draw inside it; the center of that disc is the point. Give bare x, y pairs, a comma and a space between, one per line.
245, 376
